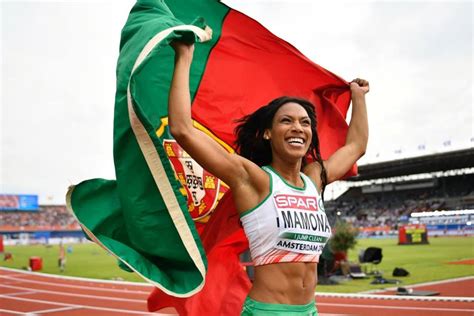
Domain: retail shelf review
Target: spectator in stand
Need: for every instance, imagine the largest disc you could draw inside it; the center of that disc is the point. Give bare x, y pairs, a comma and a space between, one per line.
53, 215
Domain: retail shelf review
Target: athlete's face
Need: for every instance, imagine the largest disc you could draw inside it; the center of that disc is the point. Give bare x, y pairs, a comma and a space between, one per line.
290, 134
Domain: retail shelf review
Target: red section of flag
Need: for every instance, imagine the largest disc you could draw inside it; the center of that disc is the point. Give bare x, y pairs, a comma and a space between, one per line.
249, 67
227, 283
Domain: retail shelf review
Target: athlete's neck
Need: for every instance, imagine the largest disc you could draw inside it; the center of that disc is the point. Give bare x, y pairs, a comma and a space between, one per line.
291, 173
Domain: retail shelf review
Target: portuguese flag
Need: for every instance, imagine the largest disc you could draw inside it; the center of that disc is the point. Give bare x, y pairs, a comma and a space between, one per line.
155, 218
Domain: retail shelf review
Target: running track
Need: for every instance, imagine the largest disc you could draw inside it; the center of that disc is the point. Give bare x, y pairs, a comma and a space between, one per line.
26, 293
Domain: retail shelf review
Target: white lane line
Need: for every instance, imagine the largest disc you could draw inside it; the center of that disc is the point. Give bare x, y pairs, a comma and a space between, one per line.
97, 297
11, 312
46, 275
12, 282
9, 275
89, 288
396, 297
20, 293
52, 310
420, 284
84, 306
398, 307
32, 300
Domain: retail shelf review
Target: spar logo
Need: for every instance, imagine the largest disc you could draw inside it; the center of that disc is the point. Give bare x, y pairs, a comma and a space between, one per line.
300, 212
307, 203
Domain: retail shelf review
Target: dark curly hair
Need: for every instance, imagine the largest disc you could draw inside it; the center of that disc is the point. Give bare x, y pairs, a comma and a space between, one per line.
250, 129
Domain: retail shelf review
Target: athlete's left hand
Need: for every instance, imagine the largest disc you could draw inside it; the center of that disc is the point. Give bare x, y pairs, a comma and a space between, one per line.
359, 86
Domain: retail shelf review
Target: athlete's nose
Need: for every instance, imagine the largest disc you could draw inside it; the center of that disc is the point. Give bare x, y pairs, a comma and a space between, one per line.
297, 127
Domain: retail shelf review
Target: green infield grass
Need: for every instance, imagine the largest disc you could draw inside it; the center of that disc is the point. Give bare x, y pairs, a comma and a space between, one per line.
424, 262
86, 260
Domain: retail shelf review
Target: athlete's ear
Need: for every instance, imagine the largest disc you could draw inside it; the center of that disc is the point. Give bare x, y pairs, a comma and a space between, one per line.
266, 134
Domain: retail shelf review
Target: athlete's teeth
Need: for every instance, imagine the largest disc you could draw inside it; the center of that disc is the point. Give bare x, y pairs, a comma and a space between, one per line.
295, 140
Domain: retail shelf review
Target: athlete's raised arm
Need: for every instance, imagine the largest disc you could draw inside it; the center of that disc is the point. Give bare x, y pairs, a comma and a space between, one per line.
339, 163
231, 168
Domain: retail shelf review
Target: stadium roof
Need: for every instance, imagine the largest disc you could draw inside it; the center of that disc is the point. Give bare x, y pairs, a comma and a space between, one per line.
452, 160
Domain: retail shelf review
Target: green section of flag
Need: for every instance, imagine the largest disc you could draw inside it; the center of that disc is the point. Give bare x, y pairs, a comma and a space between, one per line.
128, 216
304, 237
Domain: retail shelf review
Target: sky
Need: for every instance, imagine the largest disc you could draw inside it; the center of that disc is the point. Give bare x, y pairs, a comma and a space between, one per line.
58, 63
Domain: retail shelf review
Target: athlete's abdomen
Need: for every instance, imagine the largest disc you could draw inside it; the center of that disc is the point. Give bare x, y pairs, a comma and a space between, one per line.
285, 283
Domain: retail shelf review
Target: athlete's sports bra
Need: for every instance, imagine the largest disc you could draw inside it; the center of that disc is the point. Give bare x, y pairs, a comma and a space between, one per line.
289, 225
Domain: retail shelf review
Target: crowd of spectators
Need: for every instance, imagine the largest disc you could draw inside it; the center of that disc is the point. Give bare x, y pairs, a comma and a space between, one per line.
362, 209
385, 208
52, 216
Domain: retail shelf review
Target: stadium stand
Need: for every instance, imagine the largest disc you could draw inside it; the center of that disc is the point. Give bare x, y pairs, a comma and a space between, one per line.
384, 194
49, 217
389, 202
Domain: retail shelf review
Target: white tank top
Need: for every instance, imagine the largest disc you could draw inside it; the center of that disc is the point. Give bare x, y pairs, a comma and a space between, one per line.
289, 225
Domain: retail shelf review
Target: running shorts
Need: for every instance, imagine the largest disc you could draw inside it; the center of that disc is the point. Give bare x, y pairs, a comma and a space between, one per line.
254, 308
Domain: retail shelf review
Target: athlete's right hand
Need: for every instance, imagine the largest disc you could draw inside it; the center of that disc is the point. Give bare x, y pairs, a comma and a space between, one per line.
182, 48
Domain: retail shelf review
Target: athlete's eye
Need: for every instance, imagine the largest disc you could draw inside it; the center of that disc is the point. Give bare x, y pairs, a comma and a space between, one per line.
306, 122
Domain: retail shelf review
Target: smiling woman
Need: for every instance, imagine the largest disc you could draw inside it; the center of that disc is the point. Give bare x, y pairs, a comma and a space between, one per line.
270, 190
285, 122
